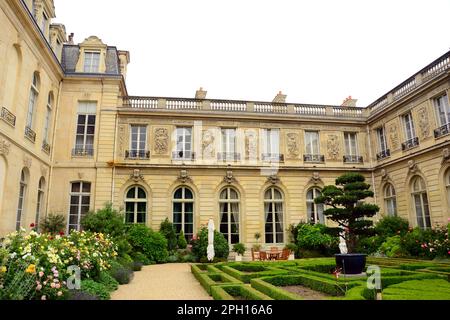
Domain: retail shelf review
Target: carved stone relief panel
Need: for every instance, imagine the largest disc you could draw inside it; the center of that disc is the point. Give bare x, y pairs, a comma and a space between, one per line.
122, 139
293, 145
160, 140
333, 147
4, 147
393, 134
251, 144
424, 122
208, 147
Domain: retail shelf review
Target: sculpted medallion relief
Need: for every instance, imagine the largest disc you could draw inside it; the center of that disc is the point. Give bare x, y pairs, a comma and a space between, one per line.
208, 144
251, 145
393, 136
424, 124
161, 141
293, 143
4, 147
333, 147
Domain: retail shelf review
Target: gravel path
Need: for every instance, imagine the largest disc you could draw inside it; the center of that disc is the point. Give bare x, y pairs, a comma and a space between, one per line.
172, 281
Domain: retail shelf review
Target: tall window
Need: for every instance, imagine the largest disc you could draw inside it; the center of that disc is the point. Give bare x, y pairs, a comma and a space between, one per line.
80, 199
442, 109
410, 133
40, 200
315, 211
136, 205
273, 209
312, 142
91, 62
229, 214
138, 141
184, 143
22, 194
48, 116
271, 143
228, 144
350, 141
84, 145
34, 92
382, 145
390, 200
183, 212
420, 198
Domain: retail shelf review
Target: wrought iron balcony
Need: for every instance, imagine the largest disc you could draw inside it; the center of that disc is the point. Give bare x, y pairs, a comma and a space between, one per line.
384, 154
353, 159
8, 117
82, 151
314, 158
183, 155
46, 147
412, 143
442, 131
228, 156
272, 157
137, 154
30, 134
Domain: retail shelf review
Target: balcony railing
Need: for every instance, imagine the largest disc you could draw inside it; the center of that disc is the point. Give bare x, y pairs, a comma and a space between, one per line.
8, 117
137, 154
353, 159
314, 158
442, 131
183, 155
384, 154
412, 143
228, 156
272, 157
30, 134
82, 151
46, 147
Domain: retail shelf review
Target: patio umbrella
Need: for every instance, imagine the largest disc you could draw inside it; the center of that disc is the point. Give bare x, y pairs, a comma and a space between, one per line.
342, 244
210, 250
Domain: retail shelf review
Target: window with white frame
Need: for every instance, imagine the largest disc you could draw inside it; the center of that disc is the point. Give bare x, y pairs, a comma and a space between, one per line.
228, 144
40, 201
390, 200
382, 145
273, 210
442, 107
138, 141
183, 212
410, 132
91, 62
34, 92
229, 214
184, 143
48, 116
80, 200
84, 144
271, 143
312, 143
351, 144
136, 205
314, 210
21, 203
420, 201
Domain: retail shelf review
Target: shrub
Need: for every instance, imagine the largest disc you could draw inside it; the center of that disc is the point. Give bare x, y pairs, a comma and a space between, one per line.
80, 295
391, 226
120, 273
137, 266
315, 237
152, 244
106, 220
108, 281
189, 258
53, 223
173, 258
239, 248
392, 247
292, 247
429, 243
140, 257
369, 245
96, 289
168, 231
199, 246
182, 243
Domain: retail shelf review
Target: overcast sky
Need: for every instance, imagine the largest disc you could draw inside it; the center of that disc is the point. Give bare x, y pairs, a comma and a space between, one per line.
317, 51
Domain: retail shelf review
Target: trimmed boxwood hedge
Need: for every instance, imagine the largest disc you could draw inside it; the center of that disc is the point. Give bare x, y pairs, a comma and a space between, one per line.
208, 280
436, 289
228, 292
273, 291
247, 276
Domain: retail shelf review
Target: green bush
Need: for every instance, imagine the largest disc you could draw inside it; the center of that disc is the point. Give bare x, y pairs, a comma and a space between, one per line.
392, 247
137, 266
391, 226
189, 258
315, 238
418, 290
96, 289
121, 274
173, 258
429, 243
140, 257
273, 291
369, 245
53, 223
108, 281
230, 292
199, 246
168, 231
239, 248
182, 243
152, 244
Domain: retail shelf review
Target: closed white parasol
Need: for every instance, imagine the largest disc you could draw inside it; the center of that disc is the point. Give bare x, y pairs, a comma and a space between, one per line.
210, 250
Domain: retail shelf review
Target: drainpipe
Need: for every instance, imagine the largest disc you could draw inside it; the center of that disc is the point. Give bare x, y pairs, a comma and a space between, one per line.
371, 163
113, 187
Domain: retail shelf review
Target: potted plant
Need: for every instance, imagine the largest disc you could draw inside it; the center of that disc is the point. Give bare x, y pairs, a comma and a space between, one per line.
239, 249
347, 208
292, 247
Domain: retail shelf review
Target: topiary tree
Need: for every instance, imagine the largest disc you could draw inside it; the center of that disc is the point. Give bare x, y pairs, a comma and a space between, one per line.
168, 231
182, 243
347, 209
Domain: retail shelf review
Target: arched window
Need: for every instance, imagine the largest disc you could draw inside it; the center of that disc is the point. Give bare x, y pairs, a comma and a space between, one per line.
183, 212
315, 211
80, 200
420, 198
229, 214
34, 92
40, 200
136, 205
48, 117
273, 210
22, 194
390, 200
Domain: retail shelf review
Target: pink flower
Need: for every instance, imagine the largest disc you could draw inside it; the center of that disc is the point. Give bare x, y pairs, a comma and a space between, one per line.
43, 298
39, 287
57, 286
53, 285
41, 274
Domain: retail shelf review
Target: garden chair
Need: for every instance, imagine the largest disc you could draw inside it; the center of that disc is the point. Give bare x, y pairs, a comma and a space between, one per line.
255, 255
285, 254
262, 256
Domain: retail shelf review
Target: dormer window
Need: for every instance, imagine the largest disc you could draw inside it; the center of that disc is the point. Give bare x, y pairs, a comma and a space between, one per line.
91, 62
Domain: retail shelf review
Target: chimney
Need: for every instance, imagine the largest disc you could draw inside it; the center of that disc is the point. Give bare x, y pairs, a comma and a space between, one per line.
280, 98
201, 94
71, 38
349, 102
124, 60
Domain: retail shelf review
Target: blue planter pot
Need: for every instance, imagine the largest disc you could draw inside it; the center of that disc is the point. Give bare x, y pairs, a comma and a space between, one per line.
351, 263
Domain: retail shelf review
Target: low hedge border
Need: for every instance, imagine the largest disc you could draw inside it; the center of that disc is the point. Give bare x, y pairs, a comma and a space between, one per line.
431, 289
273, 291
228, 292
247, 276
207, 281
196, 271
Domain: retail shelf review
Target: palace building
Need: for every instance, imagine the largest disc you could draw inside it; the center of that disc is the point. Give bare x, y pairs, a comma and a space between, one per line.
72, 140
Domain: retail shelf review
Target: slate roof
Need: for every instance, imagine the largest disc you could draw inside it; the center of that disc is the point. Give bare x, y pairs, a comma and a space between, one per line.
71, 54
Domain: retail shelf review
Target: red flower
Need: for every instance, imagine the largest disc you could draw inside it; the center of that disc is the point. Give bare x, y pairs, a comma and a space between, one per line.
32, 225
61, 233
